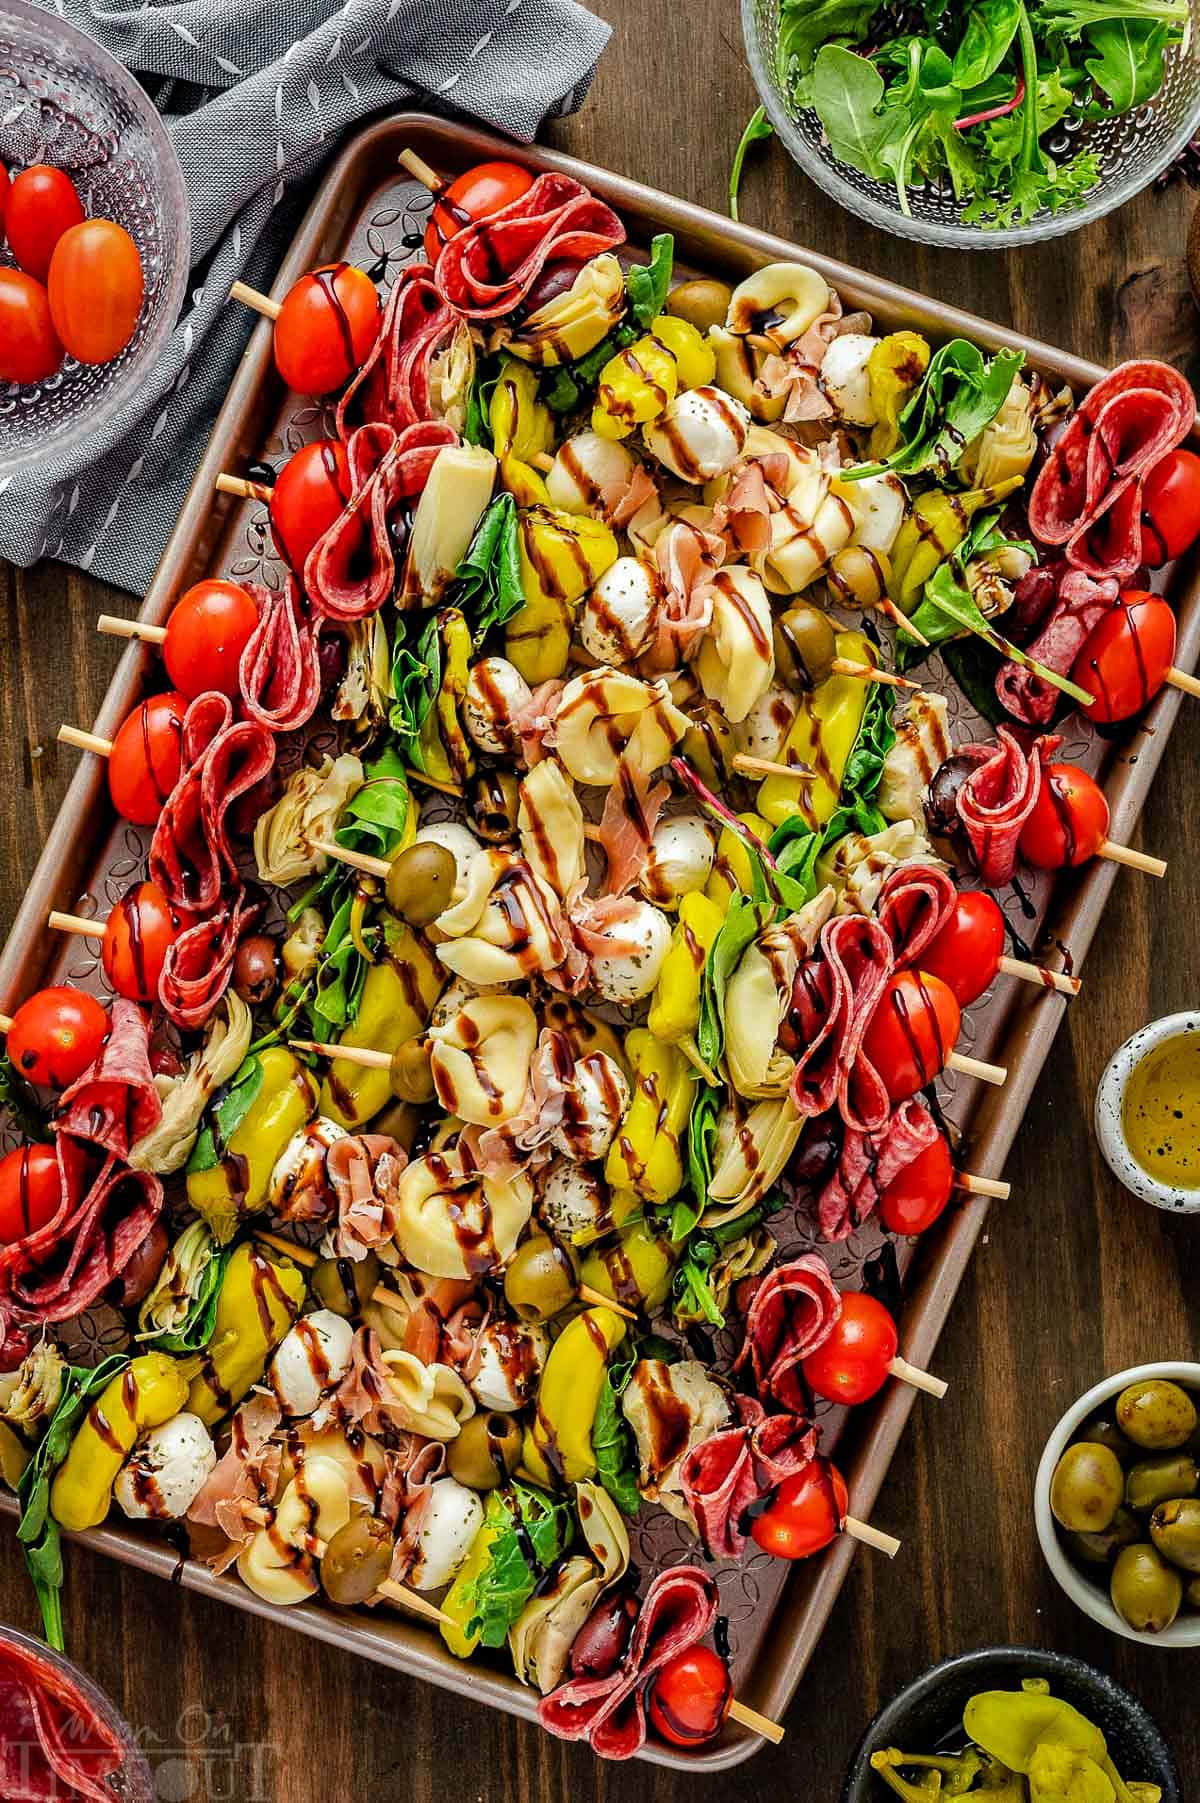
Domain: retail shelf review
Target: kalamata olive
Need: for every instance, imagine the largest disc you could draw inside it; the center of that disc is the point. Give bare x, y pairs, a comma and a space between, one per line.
486, 1451
554, 278
135, 1281
331, 660
941, 805
256, 969
818, 1152
410, 1074
542, 1278
1156, 1414
600, 1644
357, 1560
1033, 597
344, 1284
420, 883
495, 798
703, 303
805, 645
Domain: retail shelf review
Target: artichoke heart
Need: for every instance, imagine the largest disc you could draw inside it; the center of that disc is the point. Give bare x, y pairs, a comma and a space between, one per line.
452, 504
541, 1637
573, 323
307, 811
168, 1144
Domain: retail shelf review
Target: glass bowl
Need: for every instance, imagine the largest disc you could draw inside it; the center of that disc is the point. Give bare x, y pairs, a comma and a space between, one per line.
65, 101
133, 1782
1132, 150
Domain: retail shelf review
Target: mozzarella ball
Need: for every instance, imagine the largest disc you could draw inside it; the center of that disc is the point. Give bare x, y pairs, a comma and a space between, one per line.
496, 693
844, 377
679, 859
880, 503
762, 733
458, 840
583, 468
167, 1471
451, 1516
509, 1359
311, 1359
700, 435
299, 1189
640, 944
592, 1114
573, 1197
617, 619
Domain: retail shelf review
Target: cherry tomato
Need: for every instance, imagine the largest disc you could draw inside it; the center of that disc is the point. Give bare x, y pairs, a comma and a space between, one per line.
1069, 820
5, 186
310, 492
30, 1192
136, 937
147, 757
326, 328
912, 1031
42, 205
476, 194
851, 1363
96, 290
690, 1696
206, 635
1124, 660
29, 346
915, 1198
805, 1514
1170, 507
56, 1034
966, 952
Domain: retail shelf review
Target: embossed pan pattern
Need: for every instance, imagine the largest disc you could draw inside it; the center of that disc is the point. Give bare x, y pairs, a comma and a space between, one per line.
366, 211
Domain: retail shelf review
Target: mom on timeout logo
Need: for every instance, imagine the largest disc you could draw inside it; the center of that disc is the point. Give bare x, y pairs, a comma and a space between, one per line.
204, 1761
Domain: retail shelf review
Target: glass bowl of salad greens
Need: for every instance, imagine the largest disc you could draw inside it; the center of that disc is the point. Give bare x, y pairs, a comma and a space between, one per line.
996, 123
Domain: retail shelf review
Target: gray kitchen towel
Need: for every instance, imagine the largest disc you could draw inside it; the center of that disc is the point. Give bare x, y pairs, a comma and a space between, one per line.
257, 94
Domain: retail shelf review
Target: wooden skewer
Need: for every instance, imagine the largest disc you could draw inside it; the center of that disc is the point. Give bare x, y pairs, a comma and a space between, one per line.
594, 1299
350, 1054
848, 666
862, 1530
751, 766
6, 1021
357, 860
409, 1599
302, 1255
901, 620
118, 628
389, 1298
982, 1186
920, 1380
75, 923
427, 176
260, 303
1136, 860
84, 741
542, 460
975, 1067
1179, 679
759, 1724
247, 491
1037, 973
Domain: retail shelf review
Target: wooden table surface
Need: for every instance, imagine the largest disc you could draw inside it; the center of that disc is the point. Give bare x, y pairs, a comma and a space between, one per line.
1072, 1281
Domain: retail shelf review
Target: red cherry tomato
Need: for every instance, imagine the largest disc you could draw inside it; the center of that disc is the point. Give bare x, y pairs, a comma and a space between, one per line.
912, 1032
851, 1364
206, 636
915, 1198
5, 186
1170, 507
55, 1035
690, 1696
42, 205
96, 290
326, 328
29, 346
805, 1514
30, 1192
966, 952
476, 194
1069, 821
147, 757
136, 937
1125, 658
310, 492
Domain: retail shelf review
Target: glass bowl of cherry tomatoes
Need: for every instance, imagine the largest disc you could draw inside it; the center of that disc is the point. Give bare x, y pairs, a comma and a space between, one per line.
93, 210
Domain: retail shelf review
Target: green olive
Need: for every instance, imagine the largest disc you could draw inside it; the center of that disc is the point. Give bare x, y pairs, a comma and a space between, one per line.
357, 1560
1102, 1548
495, 800
703, 303
1175, 1531
344, 1284
1191, 1593
805, 645
420, 883
1146, 1592
1155, 1414
1154, 1481
486, 1451
542, 1279
1087, 1488
1102, 1430
400, 1121
410, 1074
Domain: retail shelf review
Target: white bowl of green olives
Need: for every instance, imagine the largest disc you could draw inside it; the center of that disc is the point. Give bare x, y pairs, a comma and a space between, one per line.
1117, 1504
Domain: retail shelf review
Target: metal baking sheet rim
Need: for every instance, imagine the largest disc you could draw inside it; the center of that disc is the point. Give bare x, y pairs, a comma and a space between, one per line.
1079, 900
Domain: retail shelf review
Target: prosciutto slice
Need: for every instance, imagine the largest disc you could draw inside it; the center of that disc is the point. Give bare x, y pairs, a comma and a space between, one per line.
410, 1478
868, 1163
610, 1713
115, 1101
832, 1066
744, 515
489, 267
199, 962
363, 1169
631, 810
914, 905
393, 386
688, 559
191, 857
793, 1311
1080, 605
997, 799
279, 674
59, 1271
248, 1470
726, 1475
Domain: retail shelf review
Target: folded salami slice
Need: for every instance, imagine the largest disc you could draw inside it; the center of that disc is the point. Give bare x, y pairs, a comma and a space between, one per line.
859, 954
199, 961
914, 905
997, 799
793, 1311
813, 1026
280, 673
191, 858
58, 1272
490, 266
1080, 604
726, 1475
868, 1163
393, 386
51, 1736
610, 1713
115, 1101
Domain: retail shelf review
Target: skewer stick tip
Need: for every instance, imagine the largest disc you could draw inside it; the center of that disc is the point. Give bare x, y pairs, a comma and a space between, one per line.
1038, 973
594, 1299
84, 741
977, 1067
258, 303
301, 1255
75, 923
983, 1186
117, 627
424, 172
862, 1530
1136, 860
920, 1380
758, 1724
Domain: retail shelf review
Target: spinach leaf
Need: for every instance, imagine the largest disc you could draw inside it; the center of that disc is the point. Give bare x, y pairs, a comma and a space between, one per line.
1127, 59
960, 393
226, 1112
613, 1445
477, 427
528, 1520
804, 25
758, 127
334, 1001
196, 1330
947, 592
847, 92
375, 816
991, 28
567, 387
648, 284
416, 679
702, 1139
487, 584
744, 920
973, 666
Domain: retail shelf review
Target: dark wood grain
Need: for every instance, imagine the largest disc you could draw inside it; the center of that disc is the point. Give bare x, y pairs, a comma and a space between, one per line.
1073, 1280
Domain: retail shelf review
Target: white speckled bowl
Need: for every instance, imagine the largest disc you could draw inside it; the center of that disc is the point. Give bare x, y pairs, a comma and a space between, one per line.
1109, 1098
1087, 1593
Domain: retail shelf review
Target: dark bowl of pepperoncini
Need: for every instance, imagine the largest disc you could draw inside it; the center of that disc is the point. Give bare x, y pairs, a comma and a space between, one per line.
1148, 1113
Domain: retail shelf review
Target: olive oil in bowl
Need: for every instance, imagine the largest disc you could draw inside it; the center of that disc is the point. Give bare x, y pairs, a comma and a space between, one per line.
1160, 1112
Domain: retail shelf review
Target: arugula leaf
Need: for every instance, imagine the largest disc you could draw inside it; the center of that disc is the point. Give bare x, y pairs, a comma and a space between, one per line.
743, 921
648, 284
702, 1139
21, 1103
416, 679
487, 584
528, 1520
991, 28
960, 393
804, 25
227, 1110
614, 1447
758, 127
1128, 59
946, 591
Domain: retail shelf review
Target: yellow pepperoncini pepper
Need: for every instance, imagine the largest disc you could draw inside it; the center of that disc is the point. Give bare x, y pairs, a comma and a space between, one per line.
458, 1604
731, 871
522, 428
558, 1443
258, 1300
894, 369
821, 736
934, 526
561, 556
236, 1185
443, 750
639, 382
396, 1002
675, 1006
147, 1393
646, 1154
634, 1270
